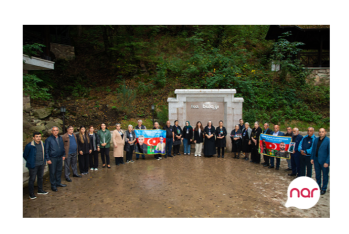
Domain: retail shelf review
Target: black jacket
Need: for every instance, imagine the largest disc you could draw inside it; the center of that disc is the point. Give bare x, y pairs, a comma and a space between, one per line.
128, 147
269, 131
198, 138
168, 131
255, 135
221, 142
187, 136
84, 147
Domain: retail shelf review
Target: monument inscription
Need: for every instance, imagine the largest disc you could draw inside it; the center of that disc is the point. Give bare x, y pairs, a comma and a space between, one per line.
205, 111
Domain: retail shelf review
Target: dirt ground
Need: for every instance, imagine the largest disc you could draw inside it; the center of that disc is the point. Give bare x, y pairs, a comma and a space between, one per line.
182, 186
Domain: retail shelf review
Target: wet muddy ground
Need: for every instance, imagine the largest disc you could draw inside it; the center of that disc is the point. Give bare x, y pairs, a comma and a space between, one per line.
182, 186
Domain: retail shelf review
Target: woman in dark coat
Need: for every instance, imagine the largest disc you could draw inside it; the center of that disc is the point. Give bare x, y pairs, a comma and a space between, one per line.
246, 140
187, 137
209, 145
93, 157
177, 137
84, 149
236, 140
130, 143
256, 131
221, 141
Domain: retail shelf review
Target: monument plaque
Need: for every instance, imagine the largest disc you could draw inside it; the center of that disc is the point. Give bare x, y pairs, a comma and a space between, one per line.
204, 105
205, 111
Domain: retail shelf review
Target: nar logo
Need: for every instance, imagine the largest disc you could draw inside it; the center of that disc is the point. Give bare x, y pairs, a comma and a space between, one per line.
303, 193
308, 194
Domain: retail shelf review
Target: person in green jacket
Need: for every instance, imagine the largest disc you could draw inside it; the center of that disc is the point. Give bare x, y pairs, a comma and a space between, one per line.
105, 137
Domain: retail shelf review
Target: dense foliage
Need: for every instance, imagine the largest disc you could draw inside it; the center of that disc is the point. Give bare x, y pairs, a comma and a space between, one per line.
158, 59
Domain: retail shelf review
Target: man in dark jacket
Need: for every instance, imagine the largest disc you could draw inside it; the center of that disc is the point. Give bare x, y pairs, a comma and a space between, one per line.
268, 131
320, 157
34, 155
140, 126
71, 153
55, 154
295, 156
289, 133
276, 133
169, 138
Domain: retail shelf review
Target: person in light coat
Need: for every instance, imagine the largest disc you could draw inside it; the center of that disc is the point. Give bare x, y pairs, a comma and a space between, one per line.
119, 143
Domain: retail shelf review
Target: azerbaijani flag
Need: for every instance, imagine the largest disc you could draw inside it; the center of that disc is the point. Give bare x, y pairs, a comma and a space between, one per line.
273, 142
151, 138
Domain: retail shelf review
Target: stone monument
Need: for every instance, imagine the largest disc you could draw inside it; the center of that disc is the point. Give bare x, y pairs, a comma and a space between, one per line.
206, 104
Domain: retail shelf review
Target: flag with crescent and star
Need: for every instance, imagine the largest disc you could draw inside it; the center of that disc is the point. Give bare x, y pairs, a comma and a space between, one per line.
270, 145
151, 142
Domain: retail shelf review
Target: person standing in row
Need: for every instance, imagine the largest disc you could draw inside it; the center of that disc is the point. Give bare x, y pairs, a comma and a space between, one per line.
320, 157
169, 138
187, 137
209, 145
105, 138
34, 155
93, 156
160, 145
139, 127
235, 136
129, 144
289, 133
54, 155
84, 149
305, 147
177, 130
267, 131
71, 153
256, 131
221, 141
119, 143
295, 156
198, 138
246, 141
241, 124
276, 133
241, 127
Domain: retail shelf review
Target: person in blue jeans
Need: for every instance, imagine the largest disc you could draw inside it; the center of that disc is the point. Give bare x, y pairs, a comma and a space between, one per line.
305, 147
276, 133
140, 126
320, 157
187, 137
169, 138
34, 155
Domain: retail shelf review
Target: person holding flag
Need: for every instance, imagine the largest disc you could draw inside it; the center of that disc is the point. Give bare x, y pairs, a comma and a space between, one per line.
276, 133
267, 131
129, 144
140, 126
160, 147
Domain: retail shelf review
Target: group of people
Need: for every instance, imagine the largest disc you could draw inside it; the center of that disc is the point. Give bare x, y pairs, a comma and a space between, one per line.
86, 145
